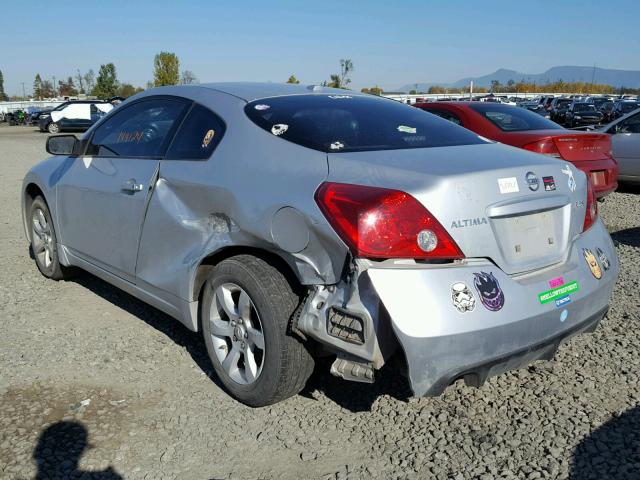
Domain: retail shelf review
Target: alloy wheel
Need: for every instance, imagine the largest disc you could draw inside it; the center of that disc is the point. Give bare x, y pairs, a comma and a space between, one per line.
237, 334
42, 239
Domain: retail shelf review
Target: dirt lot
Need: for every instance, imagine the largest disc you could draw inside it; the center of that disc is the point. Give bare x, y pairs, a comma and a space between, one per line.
95, 384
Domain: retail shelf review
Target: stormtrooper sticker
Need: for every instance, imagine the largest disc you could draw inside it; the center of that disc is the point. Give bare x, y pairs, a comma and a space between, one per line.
590, 258
279, 129
604, 260
571, 182
462, 297
491, 295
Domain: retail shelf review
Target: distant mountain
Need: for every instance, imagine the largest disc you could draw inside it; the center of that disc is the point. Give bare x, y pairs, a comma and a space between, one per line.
617, 78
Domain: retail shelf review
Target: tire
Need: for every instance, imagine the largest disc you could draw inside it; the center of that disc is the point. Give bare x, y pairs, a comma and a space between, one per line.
254, 376
43, 240
53, 127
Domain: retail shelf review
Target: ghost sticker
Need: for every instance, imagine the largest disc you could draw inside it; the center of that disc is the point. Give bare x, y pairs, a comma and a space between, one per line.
462, 297
405, 129
279, 129
262, 106
207, 138
590, 258
571, 182
336, 145
604, 261
489, 290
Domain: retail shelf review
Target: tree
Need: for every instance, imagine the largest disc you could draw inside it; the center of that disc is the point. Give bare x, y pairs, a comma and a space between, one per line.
47, 89
37, 87
166, 69
495, 86
293, 79
187, 77
89, 81
127, 90
3, 95
342, 79
372, 91
80, 80
107, 82
68, 88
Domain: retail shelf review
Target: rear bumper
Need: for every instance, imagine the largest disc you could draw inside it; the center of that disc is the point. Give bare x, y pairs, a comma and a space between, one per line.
442, 344
603, 174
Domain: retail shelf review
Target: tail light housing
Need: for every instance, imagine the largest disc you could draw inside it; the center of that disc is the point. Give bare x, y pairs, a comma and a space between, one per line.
383, 223
545, 147
592, 207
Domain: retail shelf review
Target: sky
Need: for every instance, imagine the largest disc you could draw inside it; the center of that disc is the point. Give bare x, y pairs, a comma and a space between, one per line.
390, 43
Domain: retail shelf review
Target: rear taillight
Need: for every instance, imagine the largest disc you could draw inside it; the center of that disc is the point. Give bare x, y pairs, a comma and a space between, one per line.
592, 207
545, 147
382, 223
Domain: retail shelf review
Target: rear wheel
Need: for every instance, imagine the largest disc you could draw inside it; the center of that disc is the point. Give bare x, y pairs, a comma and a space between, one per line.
44, 241
247, 305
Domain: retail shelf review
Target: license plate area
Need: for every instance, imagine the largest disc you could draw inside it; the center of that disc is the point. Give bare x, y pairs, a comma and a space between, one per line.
533, 240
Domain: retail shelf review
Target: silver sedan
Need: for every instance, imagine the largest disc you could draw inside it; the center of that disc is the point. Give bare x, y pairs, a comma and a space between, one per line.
287, 222
625, 143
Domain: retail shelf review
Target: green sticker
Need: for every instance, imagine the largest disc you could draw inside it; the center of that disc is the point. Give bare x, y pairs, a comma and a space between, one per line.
561, 291
405, 129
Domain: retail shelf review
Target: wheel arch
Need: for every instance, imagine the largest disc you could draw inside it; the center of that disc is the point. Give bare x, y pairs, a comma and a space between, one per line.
208, 263
29, 194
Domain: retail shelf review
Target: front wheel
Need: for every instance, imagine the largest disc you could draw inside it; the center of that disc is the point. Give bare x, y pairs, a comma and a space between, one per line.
53, 127
44, 241
247, 305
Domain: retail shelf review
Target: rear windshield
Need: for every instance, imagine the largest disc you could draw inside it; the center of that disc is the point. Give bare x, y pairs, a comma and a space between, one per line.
513, 119
350, 123
562, 103
584, 107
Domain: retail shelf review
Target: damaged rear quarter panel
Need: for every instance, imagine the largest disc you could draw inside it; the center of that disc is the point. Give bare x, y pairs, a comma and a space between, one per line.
200, 207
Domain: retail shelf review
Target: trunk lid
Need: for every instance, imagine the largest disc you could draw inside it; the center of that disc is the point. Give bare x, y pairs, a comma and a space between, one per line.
583, 146
492, 199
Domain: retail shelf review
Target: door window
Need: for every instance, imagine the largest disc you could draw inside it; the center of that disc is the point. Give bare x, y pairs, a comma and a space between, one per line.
446, 114
630, 125
140, 130
198, 136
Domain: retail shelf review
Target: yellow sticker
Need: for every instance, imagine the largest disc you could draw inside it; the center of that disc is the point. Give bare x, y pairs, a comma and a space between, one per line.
207, 138
590, 258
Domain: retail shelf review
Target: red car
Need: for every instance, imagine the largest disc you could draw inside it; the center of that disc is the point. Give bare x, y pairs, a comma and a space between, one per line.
590, 152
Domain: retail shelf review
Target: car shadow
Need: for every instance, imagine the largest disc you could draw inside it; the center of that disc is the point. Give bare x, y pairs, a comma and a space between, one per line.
628, 236
612, 451
169, 326
626, 187
356, 397
59, 449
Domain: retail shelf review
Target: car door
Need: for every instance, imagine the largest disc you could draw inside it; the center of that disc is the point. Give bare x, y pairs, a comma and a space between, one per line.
102, 197
625, 142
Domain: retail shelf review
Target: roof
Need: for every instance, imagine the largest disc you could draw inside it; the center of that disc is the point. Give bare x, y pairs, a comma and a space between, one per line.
253, 90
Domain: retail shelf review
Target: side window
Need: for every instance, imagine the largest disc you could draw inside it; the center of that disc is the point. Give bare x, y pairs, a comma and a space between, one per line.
630, 125
446, 114
198, 136
141, 130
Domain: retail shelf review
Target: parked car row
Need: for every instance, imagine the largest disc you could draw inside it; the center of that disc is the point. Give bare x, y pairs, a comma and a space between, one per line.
519, 127
288, 222
76, 115
579, 111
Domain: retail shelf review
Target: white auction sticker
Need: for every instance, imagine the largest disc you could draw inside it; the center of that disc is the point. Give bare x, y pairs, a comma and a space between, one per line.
508, 185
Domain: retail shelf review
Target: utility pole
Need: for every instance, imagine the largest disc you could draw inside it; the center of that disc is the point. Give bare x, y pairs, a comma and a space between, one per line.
55, 89
24, 95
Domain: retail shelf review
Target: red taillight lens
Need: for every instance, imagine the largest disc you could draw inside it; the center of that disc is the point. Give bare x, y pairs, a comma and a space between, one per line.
382, 223
592, 207
545, 147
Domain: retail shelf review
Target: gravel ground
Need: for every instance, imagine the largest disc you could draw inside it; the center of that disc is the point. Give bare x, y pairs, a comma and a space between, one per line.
95, 384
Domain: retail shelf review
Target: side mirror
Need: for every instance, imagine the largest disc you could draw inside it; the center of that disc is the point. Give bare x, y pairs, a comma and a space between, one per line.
62, 144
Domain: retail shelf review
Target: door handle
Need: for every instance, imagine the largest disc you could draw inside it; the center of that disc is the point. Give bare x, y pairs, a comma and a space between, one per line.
132, 186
